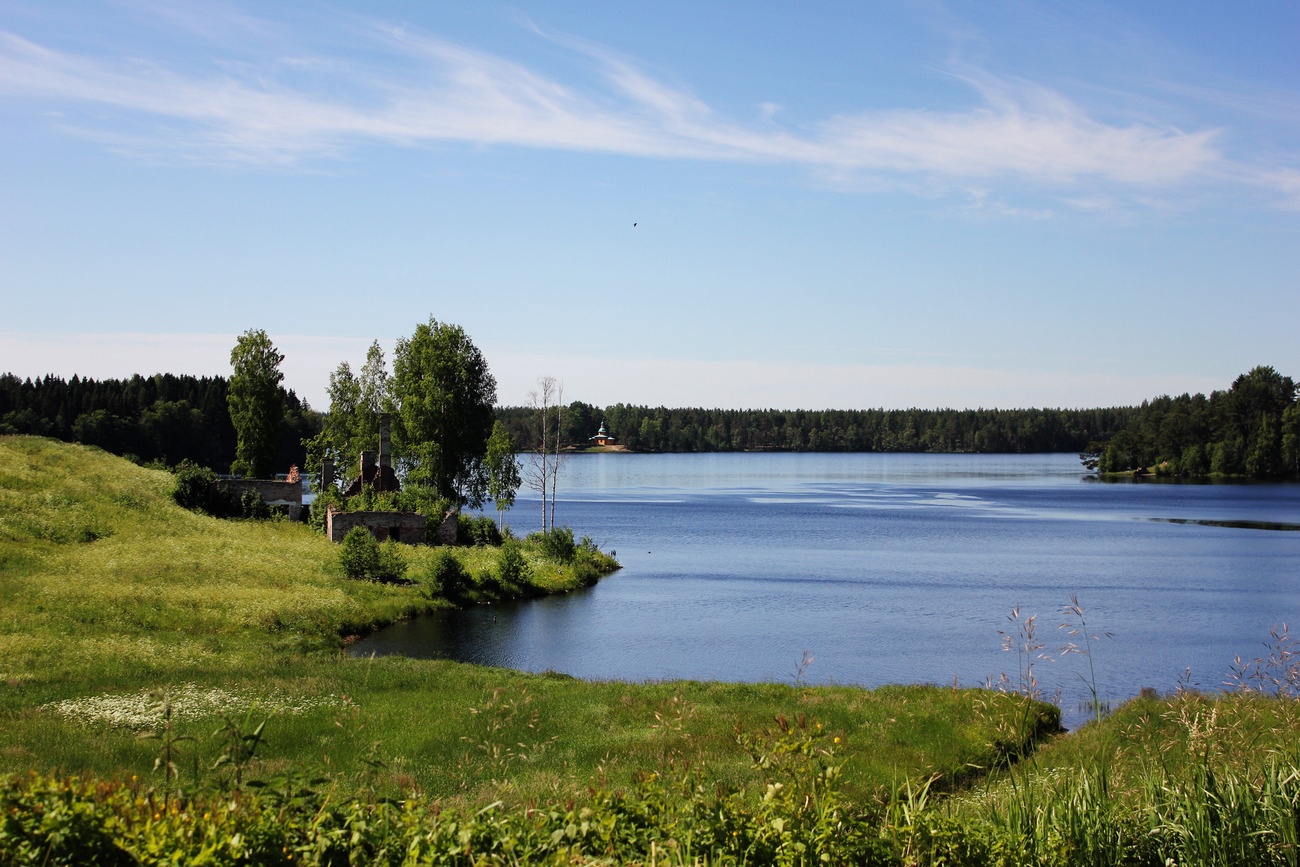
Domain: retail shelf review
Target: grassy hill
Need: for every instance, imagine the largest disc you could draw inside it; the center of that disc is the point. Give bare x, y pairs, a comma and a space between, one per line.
111, 589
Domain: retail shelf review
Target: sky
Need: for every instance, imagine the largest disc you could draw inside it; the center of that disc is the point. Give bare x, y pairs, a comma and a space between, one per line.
726, 204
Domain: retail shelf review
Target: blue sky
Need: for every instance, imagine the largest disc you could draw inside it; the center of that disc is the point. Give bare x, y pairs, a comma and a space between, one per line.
844, 205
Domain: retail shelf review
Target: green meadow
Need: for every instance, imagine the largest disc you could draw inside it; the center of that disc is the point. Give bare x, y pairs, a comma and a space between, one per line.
176, 690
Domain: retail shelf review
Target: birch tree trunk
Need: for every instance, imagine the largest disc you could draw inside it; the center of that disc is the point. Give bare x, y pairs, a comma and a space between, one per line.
555, 463
541, 471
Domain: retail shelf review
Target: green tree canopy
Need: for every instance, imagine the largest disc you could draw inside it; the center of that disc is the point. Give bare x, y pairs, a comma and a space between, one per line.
352, 422
1261, 392
443, 394
503, 474
338, 437
256, 402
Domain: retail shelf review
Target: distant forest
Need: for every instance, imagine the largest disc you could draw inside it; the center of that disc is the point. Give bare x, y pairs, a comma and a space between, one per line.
661, 429
1251, 429
162, 418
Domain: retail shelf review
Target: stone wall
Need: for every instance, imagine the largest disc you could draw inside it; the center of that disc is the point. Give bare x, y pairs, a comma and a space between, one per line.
273, 492
409, 527
445, 534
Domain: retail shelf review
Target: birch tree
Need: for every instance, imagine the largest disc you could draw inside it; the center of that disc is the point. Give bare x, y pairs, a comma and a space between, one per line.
544, 466
374, 395
502, 470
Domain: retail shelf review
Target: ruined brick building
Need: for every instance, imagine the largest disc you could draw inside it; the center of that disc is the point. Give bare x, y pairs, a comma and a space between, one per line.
375, 471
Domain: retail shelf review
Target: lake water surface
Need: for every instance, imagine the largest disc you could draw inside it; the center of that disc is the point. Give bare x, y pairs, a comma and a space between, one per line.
891, 569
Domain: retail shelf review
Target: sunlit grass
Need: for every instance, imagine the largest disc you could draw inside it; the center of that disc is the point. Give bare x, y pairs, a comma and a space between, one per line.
1188, 779
153, 569
155, 600
122, 614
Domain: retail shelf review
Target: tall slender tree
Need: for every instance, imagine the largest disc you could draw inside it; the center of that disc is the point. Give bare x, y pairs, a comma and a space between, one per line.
256, 402
374, 385
502, 470
546, 458
338, 438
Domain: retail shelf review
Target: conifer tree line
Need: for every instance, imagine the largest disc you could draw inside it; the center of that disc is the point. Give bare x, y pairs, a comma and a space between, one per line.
1251, 429
165, 417
662, 429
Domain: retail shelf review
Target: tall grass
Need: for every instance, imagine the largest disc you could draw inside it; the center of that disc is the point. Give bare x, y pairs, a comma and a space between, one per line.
792, 809
1187, 779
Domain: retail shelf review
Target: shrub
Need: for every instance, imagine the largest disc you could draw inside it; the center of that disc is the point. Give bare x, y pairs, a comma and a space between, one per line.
477, 530
319, 508
197, 490
585, 572
252, 506
556, 544
512, 568
193, 485
418, 498
364, 558
445, 576
359, 553
391, 567
589, 563
489, 586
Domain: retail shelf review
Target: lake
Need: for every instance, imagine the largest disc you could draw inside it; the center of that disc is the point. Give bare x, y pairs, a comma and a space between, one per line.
885, 568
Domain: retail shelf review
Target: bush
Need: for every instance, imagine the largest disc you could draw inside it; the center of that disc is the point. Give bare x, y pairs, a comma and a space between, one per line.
556, 544
359, 554
192, 486
585, 572
417, 498
363, 558
319, 508
391, 568
252, 506
445, 576
197, 490
489, 586
512, 568
477, 530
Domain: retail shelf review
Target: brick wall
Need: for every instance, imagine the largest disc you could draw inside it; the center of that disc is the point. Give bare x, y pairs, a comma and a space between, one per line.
274, 493
409, 527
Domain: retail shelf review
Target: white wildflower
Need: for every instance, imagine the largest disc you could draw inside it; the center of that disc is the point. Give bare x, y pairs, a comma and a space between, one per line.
144, 710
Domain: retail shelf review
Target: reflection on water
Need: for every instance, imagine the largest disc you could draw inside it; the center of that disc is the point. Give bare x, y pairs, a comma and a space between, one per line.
890, 568
1239, 525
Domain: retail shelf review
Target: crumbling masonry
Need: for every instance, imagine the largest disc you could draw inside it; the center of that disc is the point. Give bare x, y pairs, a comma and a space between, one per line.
409, 527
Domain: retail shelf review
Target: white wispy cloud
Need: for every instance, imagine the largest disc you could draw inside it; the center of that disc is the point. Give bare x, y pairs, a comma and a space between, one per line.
443, 92
1287, 183
1020, 129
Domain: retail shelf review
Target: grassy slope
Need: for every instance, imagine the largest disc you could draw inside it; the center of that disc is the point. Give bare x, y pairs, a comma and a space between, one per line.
107, 588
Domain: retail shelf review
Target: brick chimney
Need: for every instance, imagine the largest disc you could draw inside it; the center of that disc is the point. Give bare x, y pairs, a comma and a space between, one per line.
367, 466
326, 473
385, 449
